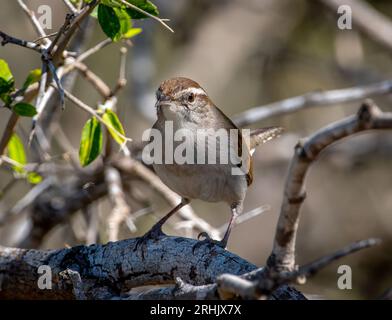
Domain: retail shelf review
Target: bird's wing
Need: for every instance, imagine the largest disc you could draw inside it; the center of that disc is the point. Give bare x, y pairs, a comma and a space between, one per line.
228, 124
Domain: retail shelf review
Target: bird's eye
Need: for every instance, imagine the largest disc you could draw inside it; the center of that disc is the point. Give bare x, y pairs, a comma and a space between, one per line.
191, 97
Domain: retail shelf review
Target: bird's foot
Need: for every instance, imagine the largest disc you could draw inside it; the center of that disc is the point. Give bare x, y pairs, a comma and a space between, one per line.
153, 234
208, 241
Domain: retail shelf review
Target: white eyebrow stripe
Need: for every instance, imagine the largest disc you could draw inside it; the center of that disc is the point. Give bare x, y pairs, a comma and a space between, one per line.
195, 91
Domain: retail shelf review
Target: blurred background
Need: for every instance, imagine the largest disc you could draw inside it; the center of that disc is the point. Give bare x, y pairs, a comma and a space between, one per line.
246, 53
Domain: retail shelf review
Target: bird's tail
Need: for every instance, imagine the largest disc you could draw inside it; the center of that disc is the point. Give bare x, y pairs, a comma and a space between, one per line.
262, 135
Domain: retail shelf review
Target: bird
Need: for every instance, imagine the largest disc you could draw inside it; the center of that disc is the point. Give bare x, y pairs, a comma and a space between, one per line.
189, 120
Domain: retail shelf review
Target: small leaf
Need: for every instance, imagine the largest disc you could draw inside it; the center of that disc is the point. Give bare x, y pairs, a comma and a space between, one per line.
110, 118
6, 98
5, 72
24, 109
108, 21
132, 32
17, 153
34, 178
6, 78
94, 13
112, 3
145, 5
6, 86
125, 22
33, 76
90, 142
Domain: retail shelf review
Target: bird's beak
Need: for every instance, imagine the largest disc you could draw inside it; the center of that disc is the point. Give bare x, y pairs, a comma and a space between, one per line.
162, 104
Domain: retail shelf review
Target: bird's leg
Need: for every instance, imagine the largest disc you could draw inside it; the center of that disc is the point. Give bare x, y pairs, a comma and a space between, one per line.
222, 243
234, 215
156, 231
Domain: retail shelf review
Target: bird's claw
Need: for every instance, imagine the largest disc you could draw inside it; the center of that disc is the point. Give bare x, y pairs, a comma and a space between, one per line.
207, 241
153, 234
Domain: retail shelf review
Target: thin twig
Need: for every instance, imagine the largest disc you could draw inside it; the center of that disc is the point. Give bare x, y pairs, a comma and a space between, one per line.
47, 36
56, 79
246, 216
312, 268
132, 6
92, 112
70, 6
42, 86
122, 80
93, 50
30, 14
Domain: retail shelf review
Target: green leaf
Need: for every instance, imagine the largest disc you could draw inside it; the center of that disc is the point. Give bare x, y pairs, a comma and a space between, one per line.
125, 22
6, 86
145, 5
6, 78
132, 32
24, 109
112, 3
94, 13
33, 77
17, 153
34, 178
90, 142
5, 72
108, 21
111, 119
6, 98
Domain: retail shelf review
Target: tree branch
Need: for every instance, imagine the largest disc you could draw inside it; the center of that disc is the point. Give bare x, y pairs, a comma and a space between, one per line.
312, 99
369, 117
372, 22
115, 267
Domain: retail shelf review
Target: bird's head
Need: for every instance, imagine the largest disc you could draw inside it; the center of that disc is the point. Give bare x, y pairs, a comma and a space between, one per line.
181, 99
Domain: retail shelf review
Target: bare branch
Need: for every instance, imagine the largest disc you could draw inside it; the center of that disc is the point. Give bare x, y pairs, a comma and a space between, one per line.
70, 6
102, 88
42, 86
93, 50
313, 267
372, 22
62, 45
121, 210
23, 43
312, 99
30, 14
66, 25
115, 267
92, 112
369, 117
122, 80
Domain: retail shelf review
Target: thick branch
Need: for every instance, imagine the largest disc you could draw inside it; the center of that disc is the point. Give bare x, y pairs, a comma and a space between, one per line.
368, 117
115, 267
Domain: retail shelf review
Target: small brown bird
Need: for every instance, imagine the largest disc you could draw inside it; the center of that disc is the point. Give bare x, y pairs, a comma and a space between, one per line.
186, 105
